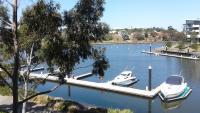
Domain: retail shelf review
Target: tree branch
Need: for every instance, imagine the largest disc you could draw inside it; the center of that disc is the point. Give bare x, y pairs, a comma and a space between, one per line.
6, 82
9, 3
5, 70
8, 23
44, 92
83, 66
43, 80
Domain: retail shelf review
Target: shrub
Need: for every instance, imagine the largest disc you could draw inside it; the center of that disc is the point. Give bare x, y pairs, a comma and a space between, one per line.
119, 111
180, 46
42, 99
168, 44
195, 46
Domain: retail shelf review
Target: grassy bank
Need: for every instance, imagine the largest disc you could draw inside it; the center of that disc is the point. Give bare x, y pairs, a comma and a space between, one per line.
58, 104
61, 105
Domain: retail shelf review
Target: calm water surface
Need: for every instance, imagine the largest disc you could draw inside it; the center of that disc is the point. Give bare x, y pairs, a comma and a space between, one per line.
129, 56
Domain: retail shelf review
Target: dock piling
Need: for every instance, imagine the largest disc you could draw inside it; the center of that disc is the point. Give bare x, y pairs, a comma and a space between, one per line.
150, 73
150, 48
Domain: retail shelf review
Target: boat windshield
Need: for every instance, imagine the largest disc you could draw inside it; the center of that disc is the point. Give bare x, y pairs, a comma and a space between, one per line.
124, 74
174, 80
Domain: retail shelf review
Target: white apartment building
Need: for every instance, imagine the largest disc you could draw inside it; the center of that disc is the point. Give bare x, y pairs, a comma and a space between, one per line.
192, 28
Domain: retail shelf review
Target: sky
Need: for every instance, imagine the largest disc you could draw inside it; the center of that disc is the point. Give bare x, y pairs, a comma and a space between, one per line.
140, 13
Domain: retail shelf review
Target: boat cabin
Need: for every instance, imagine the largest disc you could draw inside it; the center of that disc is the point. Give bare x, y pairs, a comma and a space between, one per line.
175, 80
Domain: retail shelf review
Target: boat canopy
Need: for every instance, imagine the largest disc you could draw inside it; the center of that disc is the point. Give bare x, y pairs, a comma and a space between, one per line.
174, 80
126, 73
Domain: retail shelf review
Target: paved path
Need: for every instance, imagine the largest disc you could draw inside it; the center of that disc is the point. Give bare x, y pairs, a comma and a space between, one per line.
5, 100
6, 103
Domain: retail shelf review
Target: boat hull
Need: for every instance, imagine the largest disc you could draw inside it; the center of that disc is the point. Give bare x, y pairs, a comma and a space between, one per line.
183, 95
126, 83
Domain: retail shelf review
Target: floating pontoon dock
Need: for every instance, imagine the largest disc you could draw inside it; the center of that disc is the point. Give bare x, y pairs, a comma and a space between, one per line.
102, 86
171, 55
83, 76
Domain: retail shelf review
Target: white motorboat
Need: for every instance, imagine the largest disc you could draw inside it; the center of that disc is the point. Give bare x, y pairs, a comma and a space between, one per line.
125, 78
174, 88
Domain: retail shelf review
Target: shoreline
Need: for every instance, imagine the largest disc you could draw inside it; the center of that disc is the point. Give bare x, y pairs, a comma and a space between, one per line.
45, 103
110, 43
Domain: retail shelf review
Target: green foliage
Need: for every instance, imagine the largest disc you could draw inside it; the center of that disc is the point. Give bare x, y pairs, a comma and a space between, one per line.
108, 37
180, 36
119, 111
82, 27
6, 41
172, 32
139, 36
41, 25
3, 112
41, 20
40, 28
181, 46
195, 46
82, 21
101, 63
5, 91
168, 44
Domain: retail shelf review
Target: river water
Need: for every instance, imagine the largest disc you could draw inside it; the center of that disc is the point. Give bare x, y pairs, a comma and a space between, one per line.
129, 56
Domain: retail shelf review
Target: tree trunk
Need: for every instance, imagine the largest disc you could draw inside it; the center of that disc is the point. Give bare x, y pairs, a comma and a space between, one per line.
25, 96
16, 59
26, 78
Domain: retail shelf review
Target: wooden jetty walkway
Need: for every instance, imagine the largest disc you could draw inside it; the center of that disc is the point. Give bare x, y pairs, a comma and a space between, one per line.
172, 55
102, 86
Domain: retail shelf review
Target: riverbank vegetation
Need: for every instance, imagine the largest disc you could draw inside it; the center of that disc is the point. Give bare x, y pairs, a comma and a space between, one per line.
143, 35
57, 104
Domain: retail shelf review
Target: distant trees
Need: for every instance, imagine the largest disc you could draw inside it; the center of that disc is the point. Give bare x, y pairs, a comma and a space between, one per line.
108, 37
139, 36
171, 32
195, 47
168, 44
194, 37
181, 45
179, 36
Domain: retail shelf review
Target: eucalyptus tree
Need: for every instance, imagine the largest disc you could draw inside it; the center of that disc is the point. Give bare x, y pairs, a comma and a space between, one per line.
39, 22
10, 48
41, 40
172, 32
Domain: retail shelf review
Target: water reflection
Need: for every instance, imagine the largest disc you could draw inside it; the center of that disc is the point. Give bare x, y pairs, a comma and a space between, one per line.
190, 69
69, 91
149, 105
171, 105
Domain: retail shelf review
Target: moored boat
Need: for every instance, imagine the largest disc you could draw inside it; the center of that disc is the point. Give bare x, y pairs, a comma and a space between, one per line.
125, 78
174, 88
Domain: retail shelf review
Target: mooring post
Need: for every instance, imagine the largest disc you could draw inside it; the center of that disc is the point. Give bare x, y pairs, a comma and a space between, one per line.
150, 48
150, 72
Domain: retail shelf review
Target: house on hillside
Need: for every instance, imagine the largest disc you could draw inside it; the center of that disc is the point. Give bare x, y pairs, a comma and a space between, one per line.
192, 29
